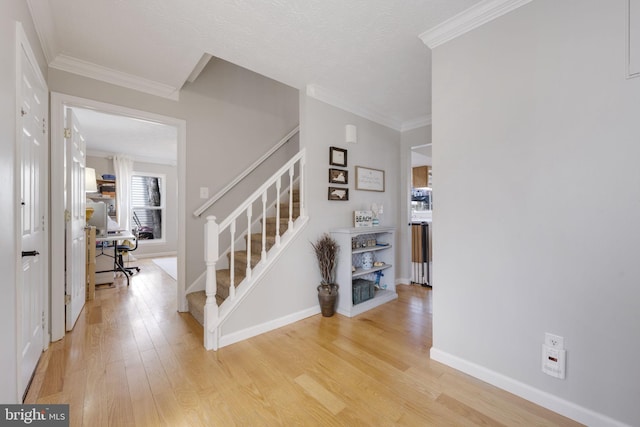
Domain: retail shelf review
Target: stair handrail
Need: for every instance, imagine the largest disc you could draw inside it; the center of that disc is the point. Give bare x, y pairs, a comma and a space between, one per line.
206, 205
256, 194
212, 313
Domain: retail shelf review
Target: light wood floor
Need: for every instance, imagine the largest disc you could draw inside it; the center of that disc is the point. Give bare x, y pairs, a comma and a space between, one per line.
133, 360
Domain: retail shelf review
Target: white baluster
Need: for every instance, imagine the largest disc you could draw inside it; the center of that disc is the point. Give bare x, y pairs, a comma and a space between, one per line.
232, 261
291, 198
263, 254
211, 307
278, 189
301, 170
249, 214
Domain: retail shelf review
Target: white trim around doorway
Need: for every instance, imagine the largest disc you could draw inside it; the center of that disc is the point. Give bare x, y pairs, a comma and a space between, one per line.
58, 102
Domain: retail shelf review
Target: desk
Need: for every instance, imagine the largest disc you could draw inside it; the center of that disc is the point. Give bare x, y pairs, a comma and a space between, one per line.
114, 238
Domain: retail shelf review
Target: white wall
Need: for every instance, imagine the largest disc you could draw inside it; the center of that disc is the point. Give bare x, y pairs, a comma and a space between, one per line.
538, 198
233, 117
290, 287
149, 248
10, 12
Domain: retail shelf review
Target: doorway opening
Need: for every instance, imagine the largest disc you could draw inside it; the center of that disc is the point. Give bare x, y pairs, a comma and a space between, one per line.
154, 143
421, 215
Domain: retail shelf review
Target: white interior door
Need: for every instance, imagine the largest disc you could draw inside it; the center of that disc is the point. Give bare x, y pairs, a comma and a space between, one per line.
75, 219
33, 191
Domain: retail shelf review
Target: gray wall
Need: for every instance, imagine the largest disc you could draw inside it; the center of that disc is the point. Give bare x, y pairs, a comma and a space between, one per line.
10, 12
233, 117
150, 248
290, 286
535, 138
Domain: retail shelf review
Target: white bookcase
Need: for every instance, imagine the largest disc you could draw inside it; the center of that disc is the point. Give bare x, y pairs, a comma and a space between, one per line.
380, 244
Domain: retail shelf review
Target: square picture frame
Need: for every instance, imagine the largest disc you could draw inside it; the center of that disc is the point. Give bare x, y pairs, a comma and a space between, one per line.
337, 157
337, 193
338, 176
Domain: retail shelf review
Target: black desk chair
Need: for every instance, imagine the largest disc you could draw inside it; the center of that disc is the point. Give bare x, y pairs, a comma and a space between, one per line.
124, 249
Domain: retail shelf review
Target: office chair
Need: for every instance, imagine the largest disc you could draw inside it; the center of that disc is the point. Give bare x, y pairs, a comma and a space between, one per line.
124, 249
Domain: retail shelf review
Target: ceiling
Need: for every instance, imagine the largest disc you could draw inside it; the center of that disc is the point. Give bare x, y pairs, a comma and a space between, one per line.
144, 141
365, 55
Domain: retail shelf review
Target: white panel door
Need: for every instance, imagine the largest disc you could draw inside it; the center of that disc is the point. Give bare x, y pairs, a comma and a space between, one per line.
75, 219
33, 190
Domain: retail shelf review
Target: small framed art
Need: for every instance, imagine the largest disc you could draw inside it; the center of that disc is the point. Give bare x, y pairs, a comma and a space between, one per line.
337, 157
336, 193
338, 176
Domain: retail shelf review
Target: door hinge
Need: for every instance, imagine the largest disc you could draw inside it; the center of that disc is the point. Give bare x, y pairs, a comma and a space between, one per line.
44, 126
43, 319
67, 299
67, 133
67, 215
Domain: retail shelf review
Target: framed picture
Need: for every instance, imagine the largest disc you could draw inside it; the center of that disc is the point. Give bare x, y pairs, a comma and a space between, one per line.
337, 157
369, 179
336, 193
338, 176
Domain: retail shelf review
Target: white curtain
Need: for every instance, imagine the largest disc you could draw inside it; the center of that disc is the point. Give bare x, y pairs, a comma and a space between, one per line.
123, 167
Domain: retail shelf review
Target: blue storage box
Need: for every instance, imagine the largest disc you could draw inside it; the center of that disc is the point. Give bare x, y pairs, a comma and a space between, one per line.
362, 290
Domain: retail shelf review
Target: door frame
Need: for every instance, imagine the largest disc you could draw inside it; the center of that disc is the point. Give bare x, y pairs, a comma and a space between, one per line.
22, 43
59, 102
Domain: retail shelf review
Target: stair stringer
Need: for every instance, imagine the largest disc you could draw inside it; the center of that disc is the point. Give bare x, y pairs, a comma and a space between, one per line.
245, 287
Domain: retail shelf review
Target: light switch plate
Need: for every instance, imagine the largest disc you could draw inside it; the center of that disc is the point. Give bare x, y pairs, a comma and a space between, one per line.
204, 192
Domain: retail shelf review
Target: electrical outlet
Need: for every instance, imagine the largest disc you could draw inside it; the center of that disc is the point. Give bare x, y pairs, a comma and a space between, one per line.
554, 341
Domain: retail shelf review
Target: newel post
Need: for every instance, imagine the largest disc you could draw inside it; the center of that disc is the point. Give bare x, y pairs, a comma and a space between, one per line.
211, 306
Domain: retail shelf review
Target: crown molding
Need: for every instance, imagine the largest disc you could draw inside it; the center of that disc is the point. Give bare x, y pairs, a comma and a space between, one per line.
416, 123
43, 22
108, 75
323, 94
474, 17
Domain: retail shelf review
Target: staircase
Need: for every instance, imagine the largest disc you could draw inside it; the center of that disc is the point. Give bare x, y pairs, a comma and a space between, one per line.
232, 275
198, 299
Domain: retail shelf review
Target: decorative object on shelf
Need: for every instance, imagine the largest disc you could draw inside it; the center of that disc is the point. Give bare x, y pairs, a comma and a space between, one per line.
326, 250
338, 157
376, 210
367, 261
369, 179
338, 176
377, 285
362, 218
337, 193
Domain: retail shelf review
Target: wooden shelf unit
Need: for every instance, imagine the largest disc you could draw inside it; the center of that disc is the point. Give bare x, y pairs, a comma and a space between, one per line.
350, 256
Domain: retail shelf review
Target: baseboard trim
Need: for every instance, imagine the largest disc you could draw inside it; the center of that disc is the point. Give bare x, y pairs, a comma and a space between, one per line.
267, 326
155, 255
546, 400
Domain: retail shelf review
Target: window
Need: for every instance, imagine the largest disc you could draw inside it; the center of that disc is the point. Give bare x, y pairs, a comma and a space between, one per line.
147, 205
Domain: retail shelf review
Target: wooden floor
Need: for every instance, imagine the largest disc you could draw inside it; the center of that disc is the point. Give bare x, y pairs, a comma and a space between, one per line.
132, 360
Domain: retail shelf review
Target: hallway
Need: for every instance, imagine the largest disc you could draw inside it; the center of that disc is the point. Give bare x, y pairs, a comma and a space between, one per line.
133, 360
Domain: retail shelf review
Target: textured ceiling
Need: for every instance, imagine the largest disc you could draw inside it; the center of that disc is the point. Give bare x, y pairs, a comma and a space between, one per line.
367, 52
